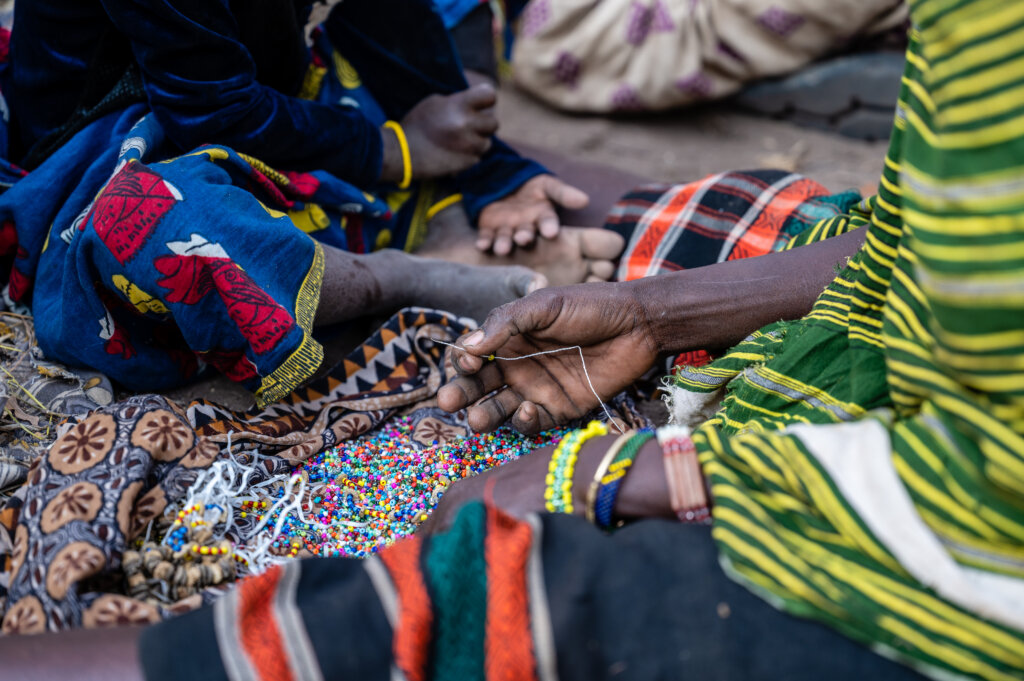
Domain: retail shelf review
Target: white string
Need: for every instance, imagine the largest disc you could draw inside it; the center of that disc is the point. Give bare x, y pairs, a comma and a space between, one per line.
550, 352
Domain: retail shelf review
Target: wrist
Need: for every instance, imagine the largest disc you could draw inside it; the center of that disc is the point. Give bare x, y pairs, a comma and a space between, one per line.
392, 165
662, 312
644, 492
591, 455
689, 310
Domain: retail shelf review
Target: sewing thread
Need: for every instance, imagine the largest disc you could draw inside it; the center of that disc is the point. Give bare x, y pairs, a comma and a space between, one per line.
550, 352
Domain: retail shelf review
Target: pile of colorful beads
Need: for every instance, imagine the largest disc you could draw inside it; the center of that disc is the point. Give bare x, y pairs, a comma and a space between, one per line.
367, 492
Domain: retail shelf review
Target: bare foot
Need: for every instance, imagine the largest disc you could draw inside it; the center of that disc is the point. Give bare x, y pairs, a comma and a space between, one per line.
576, 255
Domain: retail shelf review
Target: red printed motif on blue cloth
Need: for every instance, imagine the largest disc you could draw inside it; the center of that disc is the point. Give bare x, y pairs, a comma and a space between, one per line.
130, 207
201, 267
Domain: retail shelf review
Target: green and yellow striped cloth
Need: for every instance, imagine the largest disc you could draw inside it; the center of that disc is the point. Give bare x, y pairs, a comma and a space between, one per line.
867, 461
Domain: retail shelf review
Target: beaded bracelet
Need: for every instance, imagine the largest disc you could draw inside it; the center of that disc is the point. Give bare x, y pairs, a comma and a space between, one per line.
403, 144
558, 489
602, 468
687, 493
610, 482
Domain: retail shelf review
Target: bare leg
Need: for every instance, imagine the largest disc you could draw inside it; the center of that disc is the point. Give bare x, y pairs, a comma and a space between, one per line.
385, 281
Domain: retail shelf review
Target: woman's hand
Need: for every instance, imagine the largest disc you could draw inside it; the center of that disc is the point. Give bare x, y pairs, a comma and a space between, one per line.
517, 219
517, 488
606, 320
446, 134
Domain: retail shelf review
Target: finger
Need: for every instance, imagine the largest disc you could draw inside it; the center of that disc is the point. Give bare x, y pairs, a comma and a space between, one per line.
466, 390
535, 311
484, 235
565, 194
493, 412
482, 96
484, 122
525, 234
503, 241
478, 144
530, 419
463, 360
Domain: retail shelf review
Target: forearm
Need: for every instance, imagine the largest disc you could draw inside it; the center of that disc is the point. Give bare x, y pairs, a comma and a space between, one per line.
85, 655
717, 306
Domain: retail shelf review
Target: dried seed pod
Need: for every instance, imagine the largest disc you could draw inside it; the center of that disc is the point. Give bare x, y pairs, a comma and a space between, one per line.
193, 573
131, 561
163, 571
180, 577
150, 559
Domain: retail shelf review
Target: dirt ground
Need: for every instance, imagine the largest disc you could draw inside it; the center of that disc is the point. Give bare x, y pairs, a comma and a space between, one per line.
687, 145
676, 147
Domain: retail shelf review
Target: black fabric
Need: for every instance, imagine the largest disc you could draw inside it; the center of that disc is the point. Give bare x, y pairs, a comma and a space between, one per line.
404, 43
272, 31
113, 83
184, 648
346, 623
474, 41
651, 602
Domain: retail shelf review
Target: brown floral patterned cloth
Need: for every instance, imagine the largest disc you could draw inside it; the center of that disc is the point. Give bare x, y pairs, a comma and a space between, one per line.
98, 487
37, 396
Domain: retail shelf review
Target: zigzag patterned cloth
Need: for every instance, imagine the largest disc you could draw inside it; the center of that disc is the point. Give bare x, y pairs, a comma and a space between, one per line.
110, 474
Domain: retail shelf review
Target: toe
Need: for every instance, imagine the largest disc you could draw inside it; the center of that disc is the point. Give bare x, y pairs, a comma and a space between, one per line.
524, 236
602, 270
503, 243
525, 282
601, 244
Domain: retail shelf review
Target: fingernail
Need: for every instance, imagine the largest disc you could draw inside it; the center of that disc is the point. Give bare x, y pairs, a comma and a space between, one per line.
474, 339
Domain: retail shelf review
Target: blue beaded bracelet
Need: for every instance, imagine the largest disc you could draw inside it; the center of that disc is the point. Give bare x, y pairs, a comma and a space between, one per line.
612, 480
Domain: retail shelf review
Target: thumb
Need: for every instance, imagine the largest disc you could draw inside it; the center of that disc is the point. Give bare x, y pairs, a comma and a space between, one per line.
564, 194
511, 319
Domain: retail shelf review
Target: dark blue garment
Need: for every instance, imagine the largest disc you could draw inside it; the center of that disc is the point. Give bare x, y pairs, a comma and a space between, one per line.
201, 83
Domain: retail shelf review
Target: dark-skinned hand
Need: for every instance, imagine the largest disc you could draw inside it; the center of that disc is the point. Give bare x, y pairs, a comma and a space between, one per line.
517, 219
538, 393
446, 133
517, 488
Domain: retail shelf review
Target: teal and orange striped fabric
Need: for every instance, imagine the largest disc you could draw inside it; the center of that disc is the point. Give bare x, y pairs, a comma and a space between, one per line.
867, 461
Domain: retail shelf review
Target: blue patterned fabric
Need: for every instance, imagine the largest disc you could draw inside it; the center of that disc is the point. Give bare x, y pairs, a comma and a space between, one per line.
149, 255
